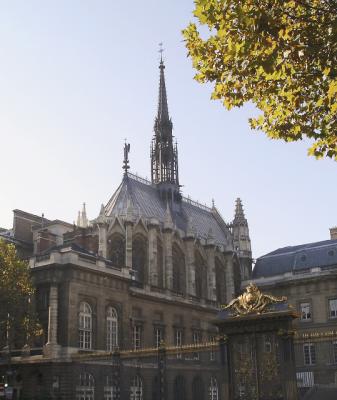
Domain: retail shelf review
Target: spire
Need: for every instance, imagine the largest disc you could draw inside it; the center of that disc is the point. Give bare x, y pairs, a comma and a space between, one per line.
82, 219
164, 154
239, 213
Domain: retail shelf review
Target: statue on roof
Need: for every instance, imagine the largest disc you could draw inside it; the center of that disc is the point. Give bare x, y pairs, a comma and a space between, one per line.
252, 301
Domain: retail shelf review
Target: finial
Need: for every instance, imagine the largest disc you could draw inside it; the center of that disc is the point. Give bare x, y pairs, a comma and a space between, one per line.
42, 220
213, 203
126, 157
161, 50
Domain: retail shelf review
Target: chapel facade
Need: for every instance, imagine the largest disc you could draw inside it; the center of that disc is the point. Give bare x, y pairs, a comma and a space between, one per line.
153, 267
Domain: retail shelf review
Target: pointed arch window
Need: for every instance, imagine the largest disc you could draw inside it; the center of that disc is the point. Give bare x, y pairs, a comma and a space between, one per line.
136, 389
139, 257
200, 276
213, 389
179, 270
160, 264
117, 250
85, 390
85, 326
220, 281
111, 329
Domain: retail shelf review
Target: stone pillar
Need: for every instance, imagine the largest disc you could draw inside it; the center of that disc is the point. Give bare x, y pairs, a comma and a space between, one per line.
211, 278
102, 240
153, 261
190, 267
168, 257
52, 348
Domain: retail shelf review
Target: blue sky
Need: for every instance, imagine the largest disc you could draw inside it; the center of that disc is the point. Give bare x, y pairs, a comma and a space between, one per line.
77, 77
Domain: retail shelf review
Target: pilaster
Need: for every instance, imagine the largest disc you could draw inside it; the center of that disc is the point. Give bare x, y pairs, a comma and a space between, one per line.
52, 348
211, 278
168, 257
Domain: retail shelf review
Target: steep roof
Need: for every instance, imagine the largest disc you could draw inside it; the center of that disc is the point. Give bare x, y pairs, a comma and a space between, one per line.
297, 258
146, 202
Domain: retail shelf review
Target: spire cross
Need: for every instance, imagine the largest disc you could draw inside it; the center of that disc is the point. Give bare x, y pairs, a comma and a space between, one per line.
161, 50
126, 157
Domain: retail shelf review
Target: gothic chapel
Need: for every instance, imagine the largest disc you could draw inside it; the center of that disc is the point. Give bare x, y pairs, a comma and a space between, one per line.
153, 266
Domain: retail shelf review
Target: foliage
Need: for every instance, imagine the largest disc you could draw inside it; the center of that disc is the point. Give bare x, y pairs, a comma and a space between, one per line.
17, 318
280, 55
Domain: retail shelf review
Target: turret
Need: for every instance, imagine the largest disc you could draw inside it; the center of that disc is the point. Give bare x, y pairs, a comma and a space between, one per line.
241, 240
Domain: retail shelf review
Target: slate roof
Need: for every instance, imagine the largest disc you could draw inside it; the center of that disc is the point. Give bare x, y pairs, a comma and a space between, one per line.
297, 259
146, 203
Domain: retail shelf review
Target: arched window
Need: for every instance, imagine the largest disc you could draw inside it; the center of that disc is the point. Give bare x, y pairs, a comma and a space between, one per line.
179, 388
136, 389
213, 389
110, 389
85, 326
220, 282
179, 271
85, 390
198, 389
117, 250
200, 276
139, 257
111, 329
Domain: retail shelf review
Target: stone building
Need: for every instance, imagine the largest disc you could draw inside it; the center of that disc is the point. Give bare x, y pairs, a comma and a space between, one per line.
153, 266
307, 275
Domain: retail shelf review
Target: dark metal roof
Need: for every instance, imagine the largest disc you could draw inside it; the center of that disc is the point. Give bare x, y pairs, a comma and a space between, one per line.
297, 258
147, 203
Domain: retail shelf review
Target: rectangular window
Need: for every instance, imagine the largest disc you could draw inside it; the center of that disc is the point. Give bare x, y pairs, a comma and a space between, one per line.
333, 308
137, 337
309, 353
305, 311
159, 336
178, 340
196, 340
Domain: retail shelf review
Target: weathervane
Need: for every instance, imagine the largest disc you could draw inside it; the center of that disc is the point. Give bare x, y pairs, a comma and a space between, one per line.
126, 157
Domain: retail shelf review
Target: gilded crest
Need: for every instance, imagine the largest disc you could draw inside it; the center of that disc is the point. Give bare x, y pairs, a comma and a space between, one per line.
252, 301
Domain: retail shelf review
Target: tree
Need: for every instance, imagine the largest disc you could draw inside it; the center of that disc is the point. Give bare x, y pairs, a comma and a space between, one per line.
18, 322
279, 55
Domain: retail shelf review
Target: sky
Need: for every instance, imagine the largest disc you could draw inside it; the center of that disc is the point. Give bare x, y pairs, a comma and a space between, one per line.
78, 77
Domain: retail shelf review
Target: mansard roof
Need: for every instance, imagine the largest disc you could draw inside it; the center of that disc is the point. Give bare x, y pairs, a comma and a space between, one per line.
143, 196
297, 259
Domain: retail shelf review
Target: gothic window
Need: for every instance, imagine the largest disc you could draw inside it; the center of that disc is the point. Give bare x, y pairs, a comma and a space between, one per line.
85, 326
110, 389
160, 265
136, 389
117, 251
179, 388
179, 271
220, 282
139, 257
198, 389
200, 276
111, 329
213, 389
85, 390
